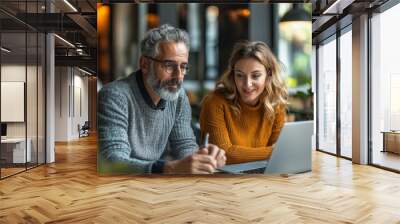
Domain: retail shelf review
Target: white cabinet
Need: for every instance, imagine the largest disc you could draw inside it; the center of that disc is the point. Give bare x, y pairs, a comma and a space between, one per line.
15, 148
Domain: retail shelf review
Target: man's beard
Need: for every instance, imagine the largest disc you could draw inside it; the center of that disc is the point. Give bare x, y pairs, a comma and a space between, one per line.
164, 89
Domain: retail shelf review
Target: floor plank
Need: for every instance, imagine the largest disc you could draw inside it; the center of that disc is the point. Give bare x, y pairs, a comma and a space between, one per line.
70, 191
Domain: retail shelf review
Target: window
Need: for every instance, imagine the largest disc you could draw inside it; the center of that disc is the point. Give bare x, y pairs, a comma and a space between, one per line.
385, 88
346, 93
327, 96
22, 64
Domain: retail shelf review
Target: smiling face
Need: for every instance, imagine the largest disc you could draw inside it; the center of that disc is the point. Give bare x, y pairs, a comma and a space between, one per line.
250, 78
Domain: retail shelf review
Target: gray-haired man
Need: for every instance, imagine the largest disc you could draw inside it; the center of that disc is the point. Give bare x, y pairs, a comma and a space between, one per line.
139, 115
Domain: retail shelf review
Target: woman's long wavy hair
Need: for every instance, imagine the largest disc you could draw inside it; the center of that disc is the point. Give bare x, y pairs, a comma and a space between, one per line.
275, 93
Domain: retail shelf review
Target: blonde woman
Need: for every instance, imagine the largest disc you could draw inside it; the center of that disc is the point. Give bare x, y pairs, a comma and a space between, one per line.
247, 110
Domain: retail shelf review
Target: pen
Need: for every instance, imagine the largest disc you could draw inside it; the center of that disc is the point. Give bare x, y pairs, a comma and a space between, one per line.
205, 140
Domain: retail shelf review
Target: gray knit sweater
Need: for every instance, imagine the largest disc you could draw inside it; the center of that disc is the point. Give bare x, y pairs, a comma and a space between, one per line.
132, 135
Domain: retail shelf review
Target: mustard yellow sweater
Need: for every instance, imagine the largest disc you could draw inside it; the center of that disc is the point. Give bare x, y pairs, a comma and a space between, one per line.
247, 137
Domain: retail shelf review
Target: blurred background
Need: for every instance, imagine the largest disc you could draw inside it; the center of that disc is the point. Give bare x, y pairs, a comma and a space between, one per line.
213, 30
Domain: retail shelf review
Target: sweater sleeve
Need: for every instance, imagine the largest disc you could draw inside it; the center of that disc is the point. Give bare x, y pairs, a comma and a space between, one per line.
212, 121
279, 122
182, 140
114, 148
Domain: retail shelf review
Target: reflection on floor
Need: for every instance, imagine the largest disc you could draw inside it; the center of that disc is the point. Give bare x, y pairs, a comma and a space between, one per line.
387, 159
10, 169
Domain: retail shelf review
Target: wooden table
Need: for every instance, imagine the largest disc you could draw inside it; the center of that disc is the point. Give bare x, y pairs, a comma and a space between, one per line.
391, 141
14, 150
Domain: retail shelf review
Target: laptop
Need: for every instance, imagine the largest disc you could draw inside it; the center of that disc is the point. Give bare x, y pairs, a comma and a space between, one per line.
291, 154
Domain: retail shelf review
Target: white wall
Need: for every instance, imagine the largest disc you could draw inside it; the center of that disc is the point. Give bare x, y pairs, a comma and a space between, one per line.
13, 73
71, 94
61, 103
79, 117
33, 126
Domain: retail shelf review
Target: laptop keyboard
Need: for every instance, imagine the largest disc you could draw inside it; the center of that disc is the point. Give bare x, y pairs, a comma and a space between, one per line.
255, 171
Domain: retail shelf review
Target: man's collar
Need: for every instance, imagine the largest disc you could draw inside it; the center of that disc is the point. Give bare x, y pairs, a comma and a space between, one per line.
146, 96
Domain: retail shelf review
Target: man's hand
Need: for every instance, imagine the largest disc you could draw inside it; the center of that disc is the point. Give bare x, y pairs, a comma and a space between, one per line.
204, 161
215, 152
194, 164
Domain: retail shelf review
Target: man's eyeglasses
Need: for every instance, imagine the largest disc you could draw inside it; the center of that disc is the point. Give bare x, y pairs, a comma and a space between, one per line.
171, 66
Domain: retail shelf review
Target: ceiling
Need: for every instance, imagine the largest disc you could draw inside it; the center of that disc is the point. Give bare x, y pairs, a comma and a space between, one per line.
329, 15
22, 20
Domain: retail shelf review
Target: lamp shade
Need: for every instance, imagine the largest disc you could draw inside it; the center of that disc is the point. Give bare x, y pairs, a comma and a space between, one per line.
295, 25
296, 14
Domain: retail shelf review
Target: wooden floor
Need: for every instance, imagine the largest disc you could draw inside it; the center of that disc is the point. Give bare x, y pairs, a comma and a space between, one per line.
70, 191
5, 172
